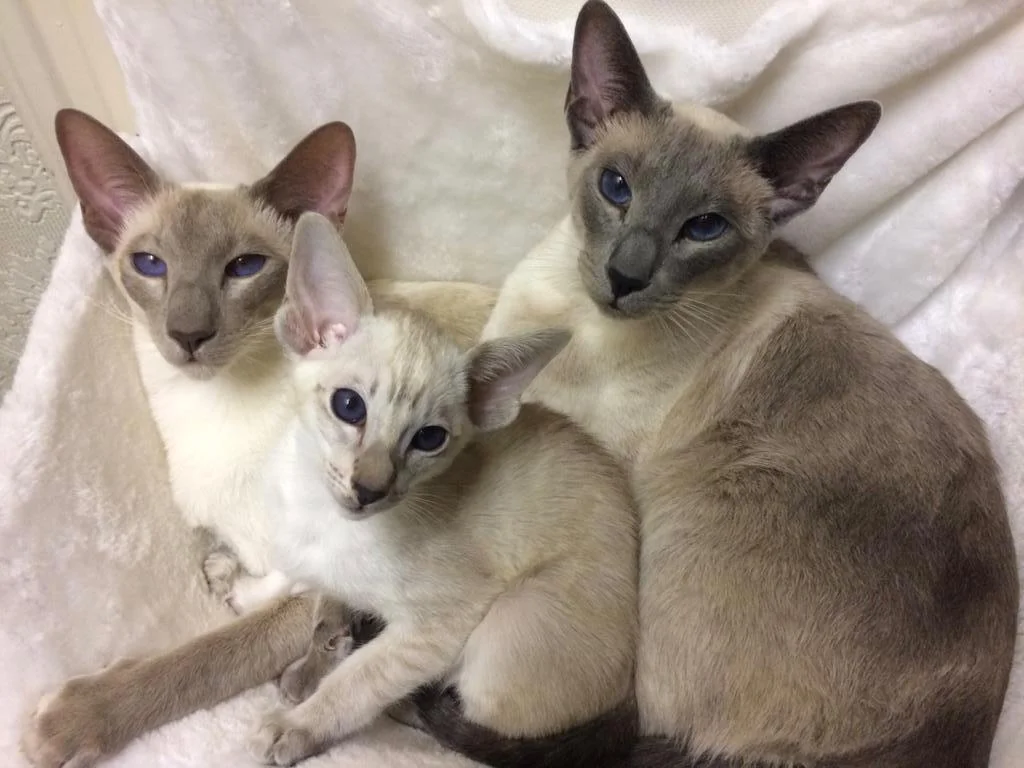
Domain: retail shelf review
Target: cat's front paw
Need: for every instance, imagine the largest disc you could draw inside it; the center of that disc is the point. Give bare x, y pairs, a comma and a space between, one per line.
280, 741
221, 569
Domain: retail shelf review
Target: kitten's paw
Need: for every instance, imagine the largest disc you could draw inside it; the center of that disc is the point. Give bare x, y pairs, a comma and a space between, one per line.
221, 569
279, 741
67, 728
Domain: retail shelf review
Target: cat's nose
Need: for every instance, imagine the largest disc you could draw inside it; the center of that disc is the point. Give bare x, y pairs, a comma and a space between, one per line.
366, 495
191, 341
623, 284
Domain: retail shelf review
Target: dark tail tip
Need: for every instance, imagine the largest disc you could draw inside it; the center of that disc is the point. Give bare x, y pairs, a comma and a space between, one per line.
608, 740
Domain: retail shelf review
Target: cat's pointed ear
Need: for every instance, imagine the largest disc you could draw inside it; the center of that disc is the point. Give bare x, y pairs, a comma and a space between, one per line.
108, 176
315, 176
607, 76
500, 370
325, 295
801, 160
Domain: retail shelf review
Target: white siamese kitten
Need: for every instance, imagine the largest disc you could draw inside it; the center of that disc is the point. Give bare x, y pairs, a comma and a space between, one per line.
202, 267
500, 551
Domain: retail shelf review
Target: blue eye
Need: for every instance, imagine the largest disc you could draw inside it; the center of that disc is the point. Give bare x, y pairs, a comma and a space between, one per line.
246, 265
703, 228
348, 406
614, 188
429, 439
149, 265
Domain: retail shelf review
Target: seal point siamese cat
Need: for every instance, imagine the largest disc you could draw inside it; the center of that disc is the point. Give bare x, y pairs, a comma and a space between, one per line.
498, 546
827, 571
202, 268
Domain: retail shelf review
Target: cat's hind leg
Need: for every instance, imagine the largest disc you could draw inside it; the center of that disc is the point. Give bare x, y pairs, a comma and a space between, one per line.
332, 642
94, 716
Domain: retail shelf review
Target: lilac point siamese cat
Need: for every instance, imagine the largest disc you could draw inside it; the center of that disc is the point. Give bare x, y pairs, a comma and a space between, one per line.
827, 574
202, 269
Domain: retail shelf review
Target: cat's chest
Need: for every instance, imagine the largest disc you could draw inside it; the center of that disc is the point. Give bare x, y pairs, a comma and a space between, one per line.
217, 434
609, 380
374, 563
618, 397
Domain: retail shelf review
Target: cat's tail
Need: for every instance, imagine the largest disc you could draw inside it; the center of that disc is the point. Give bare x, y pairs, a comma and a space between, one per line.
610, 740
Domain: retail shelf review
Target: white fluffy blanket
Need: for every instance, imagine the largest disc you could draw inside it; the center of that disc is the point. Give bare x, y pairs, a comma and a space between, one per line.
457, 109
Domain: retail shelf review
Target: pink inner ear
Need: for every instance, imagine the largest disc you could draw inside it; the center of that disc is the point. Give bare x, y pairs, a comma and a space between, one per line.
315, 176
109, 177
332, 334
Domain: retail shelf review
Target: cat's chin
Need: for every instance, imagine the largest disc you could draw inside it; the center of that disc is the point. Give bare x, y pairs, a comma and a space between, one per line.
359, 513
621, 310
198, 370
350, 511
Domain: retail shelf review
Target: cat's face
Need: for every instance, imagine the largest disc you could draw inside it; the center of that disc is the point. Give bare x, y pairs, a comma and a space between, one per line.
202, 266
204, 270
389, 409
391, 399
666, 206
671, 202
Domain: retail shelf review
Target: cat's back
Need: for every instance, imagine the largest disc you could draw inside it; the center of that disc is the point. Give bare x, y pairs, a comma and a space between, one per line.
840, 484
545, 483
551, 515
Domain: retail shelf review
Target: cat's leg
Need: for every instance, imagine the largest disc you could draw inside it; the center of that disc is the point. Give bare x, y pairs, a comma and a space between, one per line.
228, 580
360, 689
95, 716
221, 566
332, 643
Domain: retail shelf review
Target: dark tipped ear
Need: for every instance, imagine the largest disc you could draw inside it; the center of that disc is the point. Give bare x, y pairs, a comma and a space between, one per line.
315, 176
500, 370
325, 296
606, 77
801, 160
108, 176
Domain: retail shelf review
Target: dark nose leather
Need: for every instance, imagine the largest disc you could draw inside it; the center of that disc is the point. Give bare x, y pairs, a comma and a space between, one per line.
633, 262
367, 496
623, 284
191, 341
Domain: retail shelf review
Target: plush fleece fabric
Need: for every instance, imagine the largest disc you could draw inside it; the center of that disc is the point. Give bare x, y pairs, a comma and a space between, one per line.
457, 110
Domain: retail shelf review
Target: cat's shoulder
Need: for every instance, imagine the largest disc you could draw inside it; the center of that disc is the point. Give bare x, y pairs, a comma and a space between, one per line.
822, 348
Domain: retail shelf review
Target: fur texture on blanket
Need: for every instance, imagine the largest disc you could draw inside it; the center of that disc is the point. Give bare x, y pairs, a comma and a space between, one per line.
457, 110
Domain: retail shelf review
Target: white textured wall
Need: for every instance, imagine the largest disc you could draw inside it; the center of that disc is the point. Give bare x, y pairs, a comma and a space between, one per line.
53, 53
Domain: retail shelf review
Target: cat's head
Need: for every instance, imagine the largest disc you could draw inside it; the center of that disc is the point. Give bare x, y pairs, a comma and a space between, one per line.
391, 398
671, 201
202, 266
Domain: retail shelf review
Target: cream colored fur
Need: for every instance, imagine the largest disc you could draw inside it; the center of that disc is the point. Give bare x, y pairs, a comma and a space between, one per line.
643, 388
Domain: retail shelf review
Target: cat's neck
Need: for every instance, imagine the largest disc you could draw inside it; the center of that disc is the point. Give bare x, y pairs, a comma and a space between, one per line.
259, 364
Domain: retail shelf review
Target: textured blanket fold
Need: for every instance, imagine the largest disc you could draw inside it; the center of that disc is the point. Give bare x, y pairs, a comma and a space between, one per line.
457, 110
